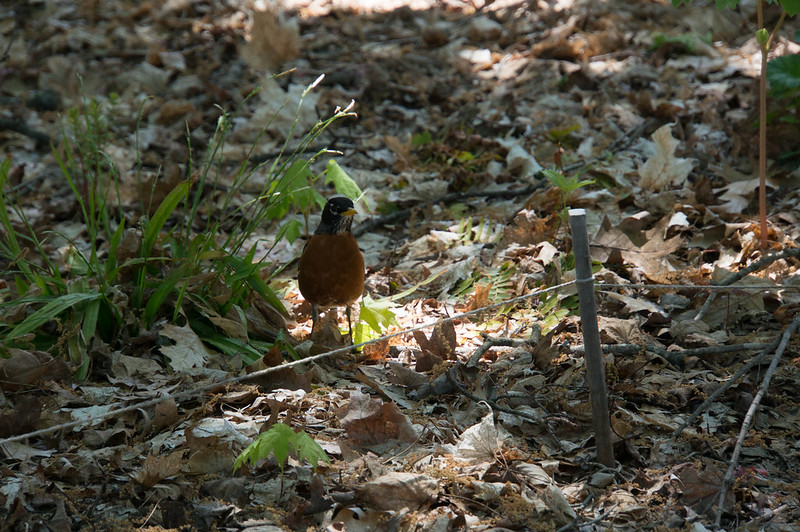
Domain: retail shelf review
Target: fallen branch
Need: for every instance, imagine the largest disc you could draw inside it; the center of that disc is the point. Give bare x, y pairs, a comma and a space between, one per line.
492, 341
741, 274
727, 384
375, 222
751, 412
676, 358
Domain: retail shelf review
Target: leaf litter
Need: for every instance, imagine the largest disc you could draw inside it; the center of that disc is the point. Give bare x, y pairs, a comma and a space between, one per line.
477, 423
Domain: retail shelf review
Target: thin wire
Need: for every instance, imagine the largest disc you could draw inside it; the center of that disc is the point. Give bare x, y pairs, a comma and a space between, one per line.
731, 287
203, 388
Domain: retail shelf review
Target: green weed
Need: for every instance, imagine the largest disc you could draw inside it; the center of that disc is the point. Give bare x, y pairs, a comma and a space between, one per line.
185, 258
765, 38
281, 441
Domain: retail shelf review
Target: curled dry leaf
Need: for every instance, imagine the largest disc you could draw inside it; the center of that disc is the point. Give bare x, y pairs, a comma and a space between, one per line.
397, 491
27, 367
159, 467
438, 348
370, 421
664, 169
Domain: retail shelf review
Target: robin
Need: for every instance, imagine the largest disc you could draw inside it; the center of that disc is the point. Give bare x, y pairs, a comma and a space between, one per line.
331, 269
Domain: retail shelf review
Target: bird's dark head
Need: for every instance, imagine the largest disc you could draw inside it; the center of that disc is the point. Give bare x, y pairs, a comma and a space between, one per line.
337, 216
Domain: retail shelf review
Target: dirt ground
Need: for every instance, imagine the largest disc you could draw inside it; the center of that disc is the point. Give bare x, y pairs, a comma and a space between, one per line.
479, 423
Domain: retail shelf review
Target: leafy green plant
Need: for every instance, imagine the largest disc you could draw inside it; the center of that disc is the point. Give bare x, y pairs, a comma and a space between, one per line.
765, 38
281, 441
376, 315
83, 301
478, 231
167, 270
422, 138
783, 75
565, 185
554, 309
497, 283
561, 136
558, 305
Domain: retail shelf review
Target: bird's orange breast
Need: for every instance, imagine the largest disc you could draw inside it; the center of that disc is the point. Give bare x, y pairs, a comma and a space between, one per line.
331, 270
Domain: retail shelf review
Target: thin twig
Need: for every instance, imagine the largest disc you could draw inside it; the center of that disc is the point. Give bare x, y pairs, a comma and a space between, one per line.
676, 358
374, 222
490, 342
757, 265
601, 287
195, 391
751, 412
727, 384
494, 406
574, 522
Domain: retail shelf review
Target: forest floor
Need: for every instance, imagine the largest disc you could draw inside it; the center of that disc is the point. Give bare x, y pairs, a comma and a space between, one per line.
481, 422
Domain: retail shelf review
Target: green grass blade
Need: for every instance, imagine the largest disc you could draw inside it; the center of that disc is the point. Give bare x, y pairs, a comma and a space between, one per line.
111, 261
5, 221
90, 315
163, 290
232, 346
156, 223
248, 272
50, 311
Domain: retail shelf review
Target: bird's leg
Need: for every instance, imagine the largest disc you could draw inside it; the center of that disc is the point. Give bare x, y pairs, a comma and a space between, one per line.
349, 324
314, 317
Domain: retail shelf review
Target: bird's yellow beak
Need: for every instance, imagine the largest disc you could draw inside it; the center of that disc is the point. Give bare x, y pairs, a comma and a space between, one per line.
348, 212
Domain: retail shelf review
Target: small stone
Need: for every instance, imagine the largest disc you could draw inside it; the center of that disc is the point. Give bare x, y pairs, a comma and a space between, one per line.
44, 100
484, 29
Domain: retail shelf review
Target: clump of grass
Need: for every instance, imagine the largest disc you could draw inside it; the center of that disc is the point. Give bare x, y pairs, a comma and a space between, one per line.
175, 264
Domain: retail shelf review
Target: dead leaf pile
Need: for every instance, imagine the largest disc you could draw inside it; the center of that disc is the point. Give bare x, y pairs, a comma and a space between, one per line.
479, 423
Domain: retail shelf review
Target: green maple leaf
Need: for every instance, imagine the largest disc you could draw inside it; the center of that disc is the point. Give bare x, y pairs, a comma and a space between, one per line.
281, 440
306, 448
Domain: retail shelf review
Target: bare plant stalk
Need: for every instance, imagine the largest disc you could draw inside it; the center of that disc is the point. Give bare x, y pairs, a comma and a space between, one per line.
762, 132
764, 45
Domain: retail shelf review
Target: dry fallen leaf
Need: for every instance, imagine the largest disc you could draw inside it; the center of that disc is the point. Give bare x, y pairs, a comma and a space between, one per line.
27, 367
399, 491
188, 353
159, 467
438, 348
369, 421
664, 169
